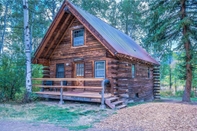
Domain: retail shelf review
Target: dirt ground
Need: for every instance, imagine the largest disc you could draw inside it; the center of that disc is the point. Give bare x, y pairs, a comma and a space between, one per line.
160, 116
12, 125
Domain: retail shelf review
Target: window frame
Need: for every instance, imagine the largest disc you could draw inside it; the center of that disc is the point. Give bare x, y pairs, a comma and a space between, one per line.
72, 37
99, 69
81, 74
57, 66
133, 70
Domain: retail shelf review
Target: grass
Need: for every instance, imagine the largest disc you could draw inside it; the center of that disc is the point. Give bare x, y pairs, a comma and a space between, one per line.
136, 103
193, 99
73, 118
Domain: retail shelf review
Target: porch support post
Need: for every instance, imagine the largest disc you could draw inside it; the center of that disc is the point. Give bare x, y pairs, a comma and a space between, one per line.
61, 94
102, 106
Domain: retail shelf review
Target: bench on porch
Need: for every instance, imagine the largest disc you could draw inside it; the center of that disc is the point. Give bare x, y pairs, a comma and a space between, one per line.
72, 95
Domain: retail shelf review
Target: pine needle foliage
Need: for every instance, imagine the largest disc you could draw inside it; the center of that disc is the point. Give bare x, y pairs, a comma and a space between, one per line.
172, 25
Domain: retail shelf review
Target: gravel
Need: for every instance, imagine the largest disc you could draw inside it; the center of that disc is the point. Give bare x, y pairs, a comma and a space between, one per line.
153, 117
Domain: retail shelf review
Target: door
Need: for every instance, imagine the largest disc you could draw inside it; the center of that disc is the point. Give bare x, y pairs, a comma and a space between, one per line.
79, 73
60, 71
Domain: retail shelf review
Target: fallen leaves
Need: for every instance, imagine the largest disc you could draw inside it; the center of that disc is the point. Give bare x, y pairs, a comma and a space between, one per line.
153, 117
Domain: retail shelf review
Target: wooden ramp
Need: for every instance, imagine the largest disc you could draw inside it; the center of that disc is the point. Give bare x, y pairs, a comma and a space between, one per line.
75, 96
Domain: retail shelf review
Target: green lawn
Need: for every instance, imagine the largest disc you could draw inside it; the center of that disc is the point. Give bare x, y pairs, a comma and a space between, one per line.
72, 117
177, 98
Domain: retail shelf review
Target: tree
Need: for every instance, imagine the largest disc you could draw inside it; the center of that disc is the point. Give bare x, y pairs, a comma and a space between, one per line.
27, 49
174, 21
4, 24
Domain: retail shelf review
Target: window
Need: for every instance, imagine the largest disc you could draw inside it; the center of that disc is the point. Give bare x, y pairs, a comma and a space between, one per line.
99, 69
133, 71
60, 71
78, 37
80, 69
148, 72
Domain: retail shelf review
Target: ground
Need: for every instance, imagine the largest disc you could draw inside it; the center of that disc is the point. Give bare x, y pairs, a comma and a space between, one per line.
49, 115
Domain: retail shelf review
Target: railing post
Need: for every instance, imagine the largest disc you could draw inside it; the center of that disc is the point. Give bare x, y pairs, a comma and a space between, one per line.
102, 106
61, 94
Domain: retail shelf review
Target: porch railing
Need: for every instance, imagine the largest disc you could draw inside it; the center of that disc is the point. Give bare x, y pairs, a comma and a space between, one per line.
61, 86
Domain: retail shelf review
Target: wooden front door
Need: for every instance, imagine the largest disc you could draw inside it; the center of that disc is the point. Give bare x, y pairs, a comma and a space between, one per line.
79, 73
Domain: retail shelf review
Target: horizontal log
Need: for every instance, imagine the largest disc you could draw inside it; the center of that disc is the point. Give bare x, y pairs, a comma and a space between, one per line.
77, 87
46, 75
156, 91
46, 71
115, 68
69, 79
123, 90
74, 94
156, 74
124, 95
156, 85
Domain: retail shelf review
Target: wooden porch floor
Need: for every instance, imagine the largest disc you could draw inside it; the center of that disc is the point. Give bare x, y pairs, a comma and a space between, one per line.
76, 96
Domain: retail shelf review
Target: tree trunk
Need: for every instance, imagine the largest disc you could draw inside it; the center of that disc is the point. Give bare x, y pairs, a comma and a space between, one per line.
4, 27
170, 69
53, 9
187, 47
27, 50
170, 82
175, 86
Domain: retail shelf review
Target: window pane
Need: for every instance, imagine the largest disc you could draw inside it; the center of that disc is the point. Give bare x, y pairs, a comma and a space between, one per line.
78, 41
80, 69
100, 65
60, 70
100, 69
100, 73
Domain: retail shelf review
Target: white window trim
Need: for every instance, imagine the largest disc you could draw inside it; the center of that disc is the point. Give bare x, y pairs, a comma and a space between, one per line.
95, 69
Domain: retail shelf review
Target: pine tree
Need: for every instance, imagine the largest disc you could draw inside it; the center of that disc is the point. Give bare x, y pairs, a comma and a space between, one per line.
174, 22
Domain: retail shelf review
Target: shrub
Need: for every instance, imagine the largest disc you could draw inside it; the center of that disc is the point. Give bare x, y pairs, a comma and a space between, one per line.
166, 93
180, 94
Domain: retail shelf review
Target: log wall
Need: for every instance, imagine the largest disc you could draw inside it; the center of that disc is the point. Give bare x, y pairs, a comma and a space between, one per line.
139, 88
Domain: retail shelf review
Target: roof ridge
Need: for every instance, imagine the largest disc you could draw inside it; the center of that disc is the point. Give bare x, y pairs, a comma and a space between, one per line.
100, 19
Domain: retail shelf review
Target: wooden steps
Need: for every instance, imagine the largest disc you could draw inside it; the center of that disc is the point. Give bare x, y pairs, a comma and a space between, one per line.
114, 103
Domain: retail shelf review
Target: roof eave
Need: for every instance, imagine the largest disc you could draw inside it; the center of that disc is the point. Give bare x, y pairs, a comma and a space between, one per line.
127, 57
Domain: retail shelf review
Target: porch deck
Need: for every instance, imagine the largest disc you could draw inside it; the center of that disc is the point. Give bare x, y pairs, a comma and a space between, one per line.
76, 93
75, 96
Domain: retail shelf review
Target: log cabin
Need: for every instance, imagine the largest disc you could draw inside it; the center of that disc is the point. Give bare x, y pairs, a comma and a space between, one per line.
79, 45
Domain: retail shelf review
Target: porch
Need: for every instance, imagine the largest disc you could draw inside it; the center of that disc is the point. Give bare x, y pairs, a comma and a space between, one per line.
60, 90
